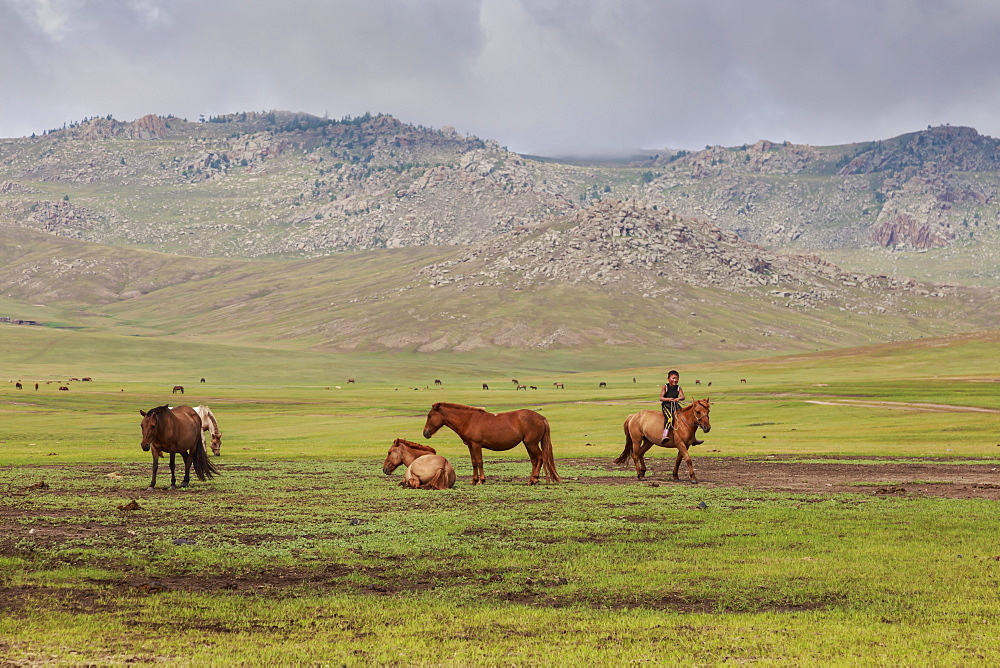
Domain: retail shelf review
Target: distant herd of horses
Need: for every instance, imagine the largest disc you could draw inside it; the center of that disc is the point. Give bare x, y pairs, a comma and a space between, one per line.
181, 430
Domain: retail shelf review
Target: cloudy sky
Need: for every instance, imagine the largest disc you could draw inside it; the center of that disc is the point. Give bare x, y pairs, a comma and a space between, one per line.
540, 76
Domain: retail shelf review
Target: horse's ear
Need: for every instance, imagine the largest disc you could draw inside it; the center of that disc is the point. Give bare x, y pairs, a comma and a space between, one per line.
142, 412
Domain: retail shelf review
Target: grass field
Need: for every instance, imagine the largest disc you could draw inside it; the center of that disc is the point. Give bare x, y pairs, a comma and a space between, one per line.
303, 551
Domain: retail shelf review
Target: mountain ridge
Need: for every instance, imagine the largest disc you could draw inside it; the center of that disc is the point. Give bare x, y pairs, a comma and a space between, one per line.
371, 234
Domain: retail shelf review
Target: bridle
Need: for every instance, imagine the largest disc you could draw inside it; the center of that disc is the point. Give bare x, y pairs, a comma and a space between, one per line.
697, 421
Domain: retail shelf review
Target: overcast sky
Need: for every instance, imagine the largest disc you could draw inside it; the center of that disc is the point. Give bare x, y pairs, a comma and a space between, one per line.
539, 76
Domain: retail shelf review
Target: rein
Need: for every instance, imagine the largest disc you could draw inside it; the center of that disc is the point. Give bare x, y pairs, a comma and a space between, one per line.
697, 422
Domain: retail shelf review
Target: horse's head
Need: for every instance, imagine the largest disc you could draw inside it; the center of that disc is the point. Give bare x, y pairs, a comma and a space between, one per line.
435, 420
701, 409
394, 458
216, 444
149, 426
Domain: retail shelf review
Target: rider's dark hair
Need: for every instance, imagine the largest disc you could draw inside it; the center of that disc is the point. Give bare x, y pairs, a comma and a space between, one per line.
673, 372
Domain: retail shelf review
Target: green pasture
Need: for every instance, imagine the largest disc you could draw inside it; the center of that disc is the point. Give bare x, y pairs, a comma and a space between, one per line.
303, 551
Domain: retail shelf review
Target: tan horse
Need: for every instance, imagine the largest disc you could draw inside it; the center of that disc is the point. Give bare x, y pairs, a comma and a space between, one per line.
174, 430
644, 429
209, 424
479, 429
425, 469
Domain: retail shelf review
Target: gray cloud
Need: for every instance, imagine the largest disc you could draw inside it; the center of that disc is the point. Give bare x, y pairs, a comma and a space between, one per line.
541, 76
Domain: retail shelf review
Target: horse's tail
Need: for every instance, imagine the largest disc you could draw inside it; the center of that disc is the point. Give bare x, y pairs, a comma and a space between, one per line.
439, 480
203, 467
547, 459
627, 452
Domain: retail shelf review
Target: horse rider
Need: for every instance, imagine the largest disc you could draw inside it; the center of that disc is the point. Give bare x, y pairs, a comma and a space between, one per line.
671, 397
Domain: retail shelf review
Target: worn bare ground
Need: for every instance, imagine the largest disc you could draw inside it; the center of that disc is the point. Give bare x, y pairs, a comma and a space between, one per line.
783, 474
926, 476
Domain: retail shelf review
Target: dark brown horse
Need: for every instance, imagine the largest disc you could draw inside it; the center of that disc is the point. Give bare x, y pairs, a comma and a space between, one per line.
174, 430
479, 429
425, 469
644, 429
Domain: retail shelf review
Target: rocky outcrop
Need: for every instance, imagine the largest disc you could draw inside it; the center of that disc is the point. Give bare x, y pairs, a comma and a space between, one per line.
953, 148
97, 129
901, 230
149, 126
628, 248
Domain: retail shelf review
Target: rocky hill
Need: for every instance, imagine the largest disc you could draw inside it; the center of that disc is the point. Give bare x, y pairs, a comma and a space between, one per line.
467, 245
931, 189
281, 184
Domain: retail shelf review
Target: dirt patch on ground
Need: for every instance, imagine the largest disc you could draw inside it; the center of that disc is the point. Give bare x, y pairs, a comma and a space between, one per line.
871, 475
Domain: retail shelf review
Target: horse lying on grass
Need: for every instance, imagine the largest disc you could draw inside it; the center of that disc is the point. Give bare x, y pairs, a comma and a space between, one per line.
425, 469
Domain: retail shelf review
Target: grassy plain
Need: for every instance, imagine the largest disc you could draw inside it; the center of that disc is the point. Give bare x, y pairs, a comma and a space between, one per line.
303, 551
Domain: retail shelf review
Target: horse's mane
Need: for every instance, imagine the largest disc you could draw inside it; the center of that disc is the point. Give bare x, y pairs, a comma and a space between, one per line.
445, 404
417, 446
158, 410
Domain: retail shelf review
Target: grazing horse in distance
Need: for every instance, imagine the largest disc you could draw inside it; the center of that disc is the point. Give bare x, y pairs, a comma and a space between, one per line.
17, 386
644, 429
350, 381
521, 387
479, 429
515, 381
743, 380
203, 380
602, 384
697, 382
177, 388
560, 386
176, 430
485, 386
209, 424
425, 469
438, 382
63, 388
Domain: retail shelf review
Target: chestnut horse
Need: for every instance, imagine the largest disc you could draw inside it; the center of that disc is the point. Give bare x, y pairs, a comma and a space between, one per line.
644, 429
425, 469
174, 430
479, 429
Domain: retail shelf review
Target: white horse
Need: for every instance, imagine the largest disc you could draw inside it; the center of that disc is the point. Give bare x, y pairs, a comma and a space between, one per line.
208, 423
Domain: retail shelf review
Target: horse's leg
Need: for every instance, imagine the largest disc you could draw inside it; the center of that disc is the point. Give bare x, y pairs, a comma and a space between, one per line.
644, 447
188, 459
173, 474
535, 453
682, 453
476, 454
156, 465
632, 445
